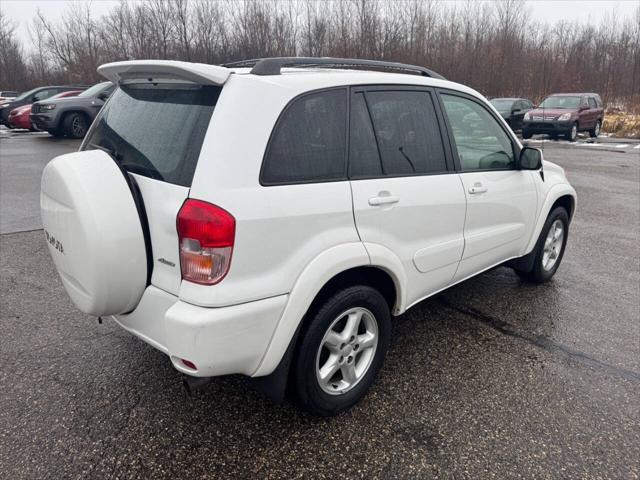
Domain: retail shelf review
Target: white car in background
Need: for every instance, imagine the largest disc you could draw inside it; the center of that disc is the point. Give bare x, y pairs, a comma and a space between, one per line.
270, 218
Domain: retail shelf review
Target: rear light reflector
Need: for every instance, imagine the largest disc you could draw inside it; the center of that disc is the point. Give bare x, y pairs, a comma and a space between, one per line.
188, 364
206, 234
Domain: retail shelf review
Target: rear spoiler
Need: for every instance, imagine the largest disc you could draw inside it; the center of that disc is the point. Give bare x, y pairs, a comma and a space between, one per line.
158, 70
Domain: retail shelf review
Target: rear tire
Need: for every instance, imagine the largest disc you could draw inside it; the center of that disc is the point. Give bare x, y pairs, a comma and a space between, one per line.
595, 131
75, 125
550, 247
341, 351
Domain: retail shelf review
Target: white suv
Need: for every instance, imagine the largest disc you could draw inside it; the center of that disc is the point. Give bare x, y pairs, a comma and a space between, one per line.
269, 218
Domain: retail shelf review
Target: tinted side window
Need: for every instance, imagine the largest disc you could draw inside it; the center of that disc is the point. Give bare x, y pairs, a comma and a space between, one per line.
364, 159
407, 132
44, 94
480, 141
309, 141
592, 103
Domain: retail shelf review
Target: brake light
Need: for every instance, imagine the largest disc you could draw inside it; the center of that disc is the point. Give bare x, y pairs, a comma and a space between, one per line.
206, 234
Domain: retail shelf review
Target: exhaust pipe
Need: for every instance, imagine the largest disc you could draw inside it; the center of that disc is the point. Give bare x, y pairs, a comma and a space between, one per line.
193, 384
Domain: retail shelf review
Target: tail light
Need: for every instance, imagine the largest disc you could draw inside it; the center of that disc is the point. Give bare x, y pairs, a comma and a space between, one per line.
206, 234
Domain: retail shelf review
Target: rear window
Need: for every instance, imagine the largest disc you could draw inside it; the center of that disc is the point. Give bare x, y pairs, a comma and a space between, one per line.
155, 130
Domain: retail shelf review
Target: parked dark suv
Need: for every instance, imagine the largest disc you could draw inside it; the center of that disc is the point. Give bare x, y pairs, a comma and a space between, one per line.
40, 93
512, 110
71, 116
565, 114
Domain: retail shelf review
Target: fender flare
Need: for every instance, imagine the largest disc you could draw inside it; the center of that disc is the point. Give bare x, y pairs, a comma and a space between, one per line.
313, 278
388, 261
554, 193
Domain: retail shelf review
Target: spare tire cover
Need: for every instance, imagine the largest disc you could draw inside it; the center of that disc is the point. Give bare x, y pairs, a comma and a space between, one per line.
93, 232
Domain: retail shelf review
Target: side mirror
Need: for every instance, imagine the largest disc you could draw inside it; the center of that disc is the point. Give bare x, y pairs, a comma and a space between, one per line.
530, 159
103, 96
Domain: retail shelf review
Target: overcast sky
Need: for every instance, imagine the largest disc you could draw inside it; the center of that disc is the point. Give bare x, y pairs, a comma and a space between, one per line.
22, 11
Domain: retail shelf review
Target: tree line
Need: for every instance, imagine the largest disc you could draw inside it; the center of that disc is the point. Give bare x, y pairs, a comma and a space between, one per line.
493, 46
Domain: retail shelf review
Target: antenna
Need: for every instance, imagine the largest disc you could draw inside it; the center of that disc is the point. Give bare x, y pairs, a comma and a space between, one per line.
544, 95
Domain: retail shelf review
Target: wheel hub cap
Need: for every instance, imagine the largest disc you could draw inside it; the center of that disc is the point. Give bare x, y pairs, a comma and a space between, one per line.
346, 351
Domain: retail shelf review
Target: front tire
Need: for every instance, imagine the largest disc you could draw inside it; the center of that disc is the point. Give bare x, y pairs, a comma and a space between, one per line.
341, 351
76, 125
550, 247
572, 134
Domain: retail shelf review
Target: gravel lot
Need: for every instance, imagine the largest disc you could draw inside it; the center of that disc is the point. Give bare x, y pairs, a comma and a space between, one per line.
492, 378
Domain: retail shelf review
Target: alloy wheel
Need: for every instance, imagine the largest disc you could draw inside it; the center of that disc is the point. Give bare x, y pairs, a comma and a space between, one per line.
78, 126
347, 351
553, 245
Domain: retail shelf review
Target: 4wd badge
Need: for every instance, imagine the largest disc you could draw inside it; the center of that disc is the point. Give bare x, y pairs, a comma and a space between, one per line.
54, 242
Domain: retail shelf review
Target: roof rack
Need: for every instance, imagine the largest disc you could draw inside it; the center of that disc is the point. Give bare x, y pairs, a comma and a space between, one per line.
272, 66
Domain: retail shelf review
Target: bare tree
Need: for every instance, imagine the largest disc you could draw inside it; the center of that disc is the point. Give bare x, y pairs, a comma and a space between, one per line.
491, 45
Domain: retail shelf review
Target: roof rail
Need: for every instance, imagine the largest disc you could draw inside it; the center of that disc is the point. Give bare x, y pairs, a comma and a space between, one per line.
272, 66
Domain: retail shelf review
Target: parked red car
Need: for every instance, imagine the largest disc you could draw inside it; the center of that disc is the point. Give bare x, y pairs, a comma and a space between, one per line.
565, 114
19, 117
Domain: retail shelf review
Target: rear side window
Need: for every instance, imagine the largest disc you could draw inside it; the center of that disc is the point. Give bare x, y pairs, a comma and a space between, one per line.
155, 130
309, 141
44, 94
364, 160
592, 103
407, 134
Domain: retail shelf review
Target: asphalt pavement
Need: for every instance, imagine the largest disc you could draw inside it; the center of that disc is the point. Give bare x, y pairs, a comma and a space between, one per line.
493, 378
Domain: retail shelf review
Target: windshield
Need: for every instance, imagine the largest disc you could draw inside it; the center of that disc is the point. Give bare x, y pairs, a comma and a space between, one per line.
155, 130
560, 101
26, 94
93, 91
502, 105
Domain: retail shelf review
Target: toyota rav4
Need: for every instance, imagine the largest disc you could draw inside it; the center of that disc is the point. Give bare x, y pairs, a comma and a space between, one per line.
270, 217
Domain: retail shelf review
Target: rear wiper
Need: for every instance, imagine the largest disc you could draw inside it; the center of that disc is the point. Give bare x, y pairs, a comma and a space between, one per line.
109, 151
142, 170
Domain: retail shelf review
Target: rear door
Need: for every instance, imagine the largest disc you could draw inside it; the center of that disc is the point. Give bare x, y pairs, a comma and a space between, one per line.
594, 110
406, 196
586, 114
501, 200
155, 131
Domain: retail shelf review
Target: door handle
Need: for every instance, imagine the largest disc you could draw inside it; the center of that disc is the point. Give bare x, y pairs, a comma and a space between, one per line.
477, 188
383, 200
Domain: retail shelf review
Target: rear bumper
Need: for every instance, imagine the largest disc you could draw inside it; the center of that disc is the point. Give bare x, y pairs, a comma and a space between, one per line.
219, 341
549, 127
